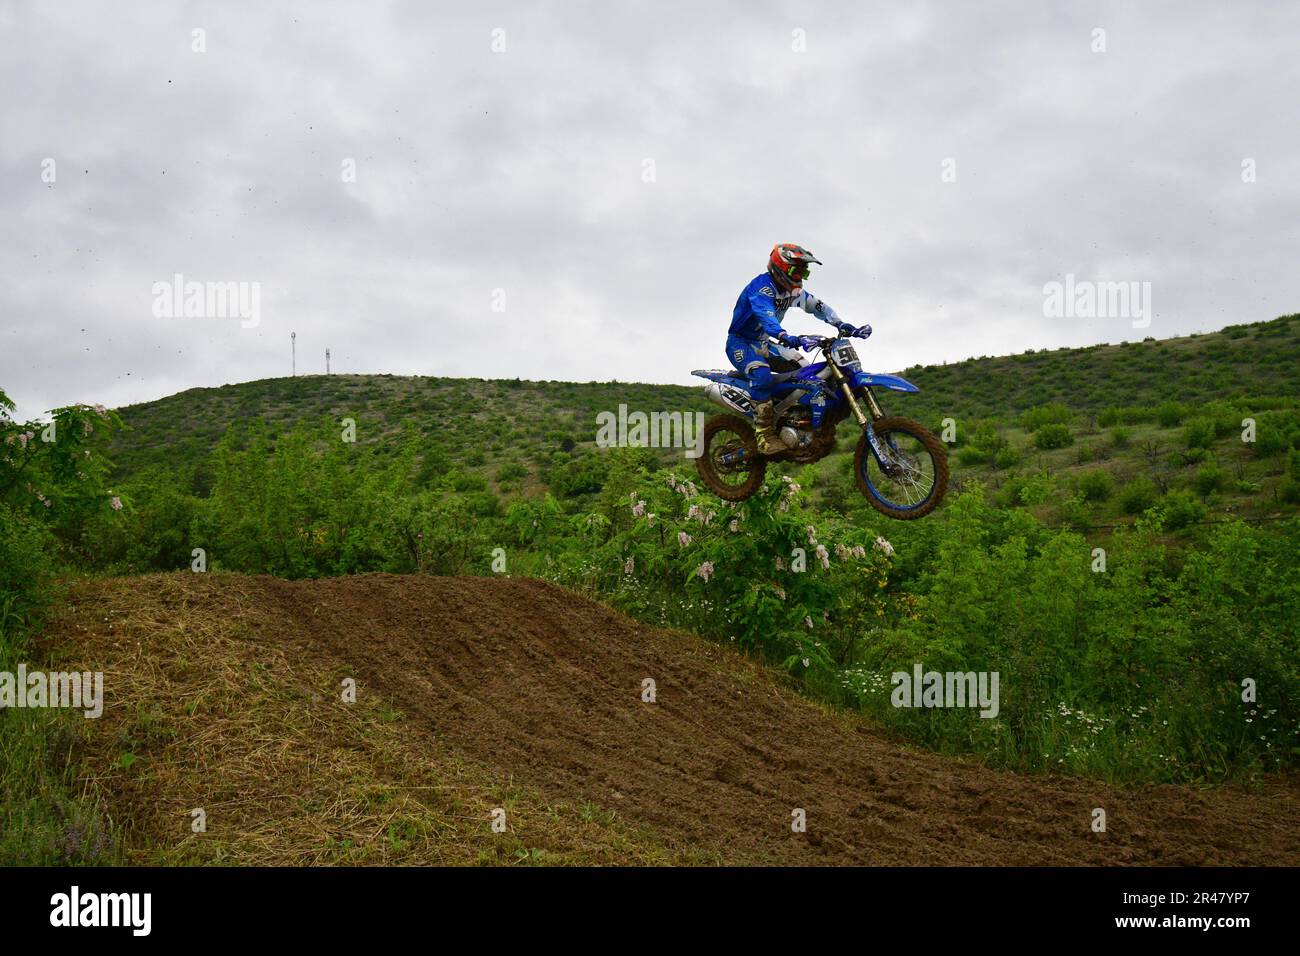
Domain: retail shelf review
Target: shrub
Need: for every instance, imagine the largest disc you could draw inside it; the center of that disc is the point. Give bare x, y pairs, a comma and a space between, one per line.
1053, 413
1138, 495
1006, 457
468, 483
1199, 433
1209, 479
510, 471
1096, 485
1120, 436
1170, 414
1180, 509
1052, 435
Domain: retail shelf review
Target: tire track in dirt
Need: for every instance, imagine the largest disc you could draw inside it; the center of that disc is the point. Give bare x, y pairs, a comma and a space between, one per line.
537, 683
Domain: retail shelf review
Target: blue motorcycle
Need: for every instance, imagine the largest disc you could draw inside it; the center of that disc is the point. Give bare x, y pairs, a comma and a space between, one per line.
899, 465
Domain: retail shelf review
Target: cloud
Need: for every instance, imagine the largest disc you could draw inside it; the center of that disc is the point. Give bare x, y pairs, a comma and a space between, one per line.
526, 171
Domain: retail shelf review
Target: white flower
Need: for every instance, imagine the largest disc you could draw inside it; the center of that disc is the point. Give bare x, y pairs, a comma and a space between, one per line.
638, 509
808, 622
629, 565
780, 563
823, 557
735, 524
705, 571
683, 538
885, 546
650, 520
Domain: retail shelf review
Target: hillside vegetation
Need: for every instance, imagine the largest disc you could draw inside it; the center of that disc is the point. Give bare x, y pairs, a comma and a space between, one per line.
1090, 436
1119, 544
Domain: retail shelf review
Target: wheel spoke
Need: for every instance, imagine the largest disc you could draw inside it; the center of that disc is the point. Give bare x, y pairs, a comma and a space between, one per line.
911, 481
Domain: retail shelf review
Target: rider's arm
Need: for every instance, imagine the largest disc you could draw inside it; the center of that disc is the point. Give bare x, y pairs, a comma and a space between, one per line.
816, 307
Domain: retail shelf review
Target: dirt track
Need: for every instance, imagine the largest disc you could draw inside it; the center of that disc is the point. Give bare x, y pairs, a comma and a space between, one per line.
539, 685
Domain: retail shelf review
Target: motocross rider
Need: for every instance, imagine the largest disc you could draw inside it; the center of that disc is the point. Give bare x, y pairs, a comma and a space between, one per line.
758, 313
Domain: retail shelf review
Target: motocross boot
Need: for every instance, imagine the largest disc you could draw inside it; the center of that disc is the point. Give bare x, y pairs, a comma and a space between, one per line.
769, 443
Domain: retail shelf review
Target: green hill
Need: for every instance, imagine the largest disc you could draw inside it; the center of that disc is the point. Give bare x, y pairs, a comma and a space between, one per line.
1085, 436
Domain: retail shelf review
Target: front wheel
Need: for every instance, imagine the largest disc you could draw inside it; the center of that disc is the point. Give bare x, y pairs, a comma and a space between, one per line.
906, 476
730, 465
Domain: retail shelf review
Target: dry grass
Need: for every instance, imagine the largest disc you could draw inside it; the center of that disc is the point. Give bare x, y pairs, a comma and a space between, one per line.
201, 712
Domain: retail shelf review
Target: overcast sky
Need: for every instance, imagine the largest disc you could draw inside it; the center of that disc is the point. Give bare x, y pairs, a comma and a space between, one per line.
611, 175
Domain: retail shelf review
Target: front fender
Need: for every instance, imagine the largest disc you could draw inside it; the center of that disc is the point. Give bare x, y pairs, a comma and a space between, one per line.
893, 382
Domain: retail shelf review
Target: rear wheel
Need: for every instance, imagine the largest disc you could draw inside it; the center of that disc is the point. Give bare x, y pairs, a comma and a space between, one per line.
914, 476
730, 465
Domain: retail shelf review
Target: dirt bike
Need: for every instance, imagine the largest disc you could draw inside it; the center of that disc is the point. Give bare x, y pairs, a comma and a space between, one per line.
899, 465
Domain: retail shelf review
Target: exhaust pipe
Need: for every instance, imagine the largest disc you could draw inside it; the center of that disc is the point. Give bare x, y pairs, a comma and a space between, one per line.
730, 398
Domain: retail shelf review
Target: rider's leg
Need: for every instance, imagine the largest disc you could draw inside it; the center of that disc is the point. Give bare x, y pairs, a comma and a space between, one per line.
751, 359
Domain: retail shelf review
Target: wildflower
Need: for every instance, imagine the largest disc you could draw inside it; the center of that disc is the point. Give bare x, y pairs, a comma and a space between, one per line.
780, 563
841, 552
638, 509
101, 411
805, 662
780, 592
693, 513
629, 565
650, 520
705, 571
812, 535
683, 538
823, 557
884, 546
807, 622
735, 524
859, 551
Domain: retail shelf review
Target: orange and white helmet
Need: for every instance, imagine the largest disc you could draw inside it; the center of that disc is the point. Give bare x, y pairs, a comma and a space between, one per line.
788, 265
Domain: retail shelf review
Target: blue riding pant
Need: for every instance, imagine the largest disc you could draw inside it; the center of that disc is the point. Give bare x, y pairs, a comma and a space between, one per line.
750, 358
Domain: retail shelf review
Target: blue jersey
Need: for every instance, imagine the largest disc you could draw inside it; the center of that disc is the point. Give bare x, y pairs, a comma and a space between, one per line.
760, 309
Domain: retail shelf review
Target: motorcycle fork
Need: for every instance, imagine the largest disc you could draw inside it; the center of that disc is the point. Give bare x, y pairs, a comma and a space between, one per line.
858, 413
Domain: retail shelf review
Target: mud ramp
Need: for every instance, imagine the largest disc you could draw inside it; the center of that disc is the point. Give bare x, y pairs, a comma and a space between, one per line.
536, 685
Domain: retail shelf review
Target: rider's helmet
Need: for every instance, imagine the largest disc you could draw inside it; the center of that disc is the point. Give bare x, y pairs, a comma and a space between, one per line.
788, 265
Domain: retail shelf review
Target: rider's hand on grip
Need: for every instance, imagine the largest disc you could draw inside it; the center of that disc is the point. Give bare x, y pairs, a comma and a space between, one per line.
809, 342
